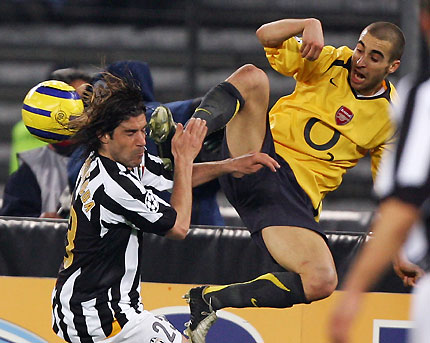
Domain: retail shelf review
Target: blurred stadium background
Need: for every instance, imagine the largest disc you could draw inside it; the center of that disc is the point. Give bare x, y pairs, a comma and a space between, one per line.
190, 46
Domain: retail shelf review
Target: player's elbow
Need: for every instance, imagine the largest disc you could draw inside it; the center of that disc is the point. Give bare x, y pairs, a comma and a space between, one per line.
265, 36
261, 34
178, 232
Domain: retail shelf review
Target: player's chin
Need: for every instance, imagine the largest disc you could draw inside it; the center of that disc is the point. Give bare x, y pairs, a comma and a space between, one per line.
132, 163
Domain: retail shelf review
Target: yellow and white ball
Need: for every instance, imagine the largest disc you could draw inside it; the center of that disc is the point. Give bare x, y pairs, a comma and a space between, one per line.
48, 107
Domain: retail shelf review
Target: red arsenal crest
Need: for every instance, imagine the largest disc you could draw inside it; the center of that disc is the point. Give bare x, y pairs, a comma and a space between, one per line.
343, 115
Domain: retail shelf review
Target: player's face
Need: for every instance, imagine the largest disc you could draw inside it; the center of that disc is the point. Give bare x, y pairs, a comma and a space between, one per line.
371, 64
127, 144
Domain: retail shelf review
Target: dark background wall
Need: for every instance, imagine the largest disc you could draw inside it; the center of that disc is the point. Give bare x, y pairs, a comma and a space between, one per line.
190, 45
209, 255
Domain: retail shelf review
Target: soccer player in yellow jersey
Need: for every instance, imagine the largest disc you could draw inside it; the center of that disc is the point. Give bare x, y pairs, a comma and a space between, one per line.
337, 114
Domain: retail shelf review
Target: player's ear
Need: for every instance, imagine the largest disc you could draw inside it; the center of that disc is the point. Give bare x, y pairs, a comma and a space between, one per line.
394, 66
104, 138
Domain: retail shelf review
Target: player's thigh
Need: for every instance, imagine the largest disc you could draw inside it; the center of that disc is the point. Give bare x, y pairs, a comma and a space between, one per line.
150, 328
298, 249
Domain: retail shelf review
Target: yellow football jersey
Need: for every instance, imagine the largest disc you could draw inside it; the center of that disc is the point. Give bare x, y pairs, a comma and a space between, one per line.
323, 128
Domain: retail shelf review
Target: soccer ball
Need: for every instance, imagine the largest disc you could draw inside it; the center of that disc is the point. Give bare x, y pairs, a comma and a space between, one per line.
48, 107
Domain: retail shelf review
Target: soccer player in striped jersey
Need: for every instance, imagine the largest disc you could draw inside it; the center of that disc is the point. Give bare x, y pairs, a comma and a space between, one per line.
338, 113
97, 294
404, 187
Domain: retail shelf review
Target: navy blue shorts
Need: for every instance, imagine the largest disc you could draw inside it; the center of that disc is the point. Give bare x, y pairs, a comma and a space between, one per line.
267, 199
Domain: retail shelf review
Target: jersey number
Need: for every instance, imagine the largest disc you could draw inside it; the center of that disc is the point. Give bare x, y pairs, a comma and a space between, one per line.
71, 233
170, 336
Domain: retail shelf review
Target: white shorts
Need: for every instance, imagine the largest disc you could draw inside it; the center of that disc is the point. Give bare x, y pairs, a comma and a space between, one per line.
421, 311
147, 328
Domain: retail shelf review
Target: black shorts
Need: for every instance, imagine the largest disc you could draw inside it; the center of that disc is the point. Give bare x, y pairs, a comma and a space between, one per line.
267, 199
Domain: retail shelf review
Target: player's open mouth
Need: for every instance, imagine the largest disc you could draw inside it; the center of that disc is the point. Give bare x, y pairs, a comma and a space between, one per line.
357, 77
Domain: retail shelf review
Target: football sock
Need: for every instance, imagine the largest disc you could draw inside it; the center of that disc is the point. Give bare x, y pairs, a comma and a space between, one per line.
277, 290
219, 105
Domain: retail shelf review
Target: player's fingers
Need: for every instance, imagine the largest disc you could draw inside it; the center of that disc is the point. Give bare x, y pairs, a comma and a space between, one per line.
305, 48
177, 137
179, 131
268, 161
197, 130
313, 53
190, 125
201, 127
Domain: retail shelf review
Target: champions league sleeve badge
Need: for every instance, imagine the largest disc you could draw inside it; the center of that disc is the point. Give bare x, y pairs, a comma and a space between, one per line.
151, 201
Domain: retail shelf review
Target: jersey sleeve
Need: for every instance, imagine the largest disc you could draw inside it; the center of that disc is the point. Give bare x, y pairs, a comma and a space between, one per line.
288, 61
155, 175
125, 196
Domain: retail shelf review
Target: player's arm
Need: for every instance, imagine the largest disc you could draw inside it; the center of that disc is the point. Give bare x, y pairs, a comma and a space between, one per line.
239, 166
395, 218
273, 34
186, 144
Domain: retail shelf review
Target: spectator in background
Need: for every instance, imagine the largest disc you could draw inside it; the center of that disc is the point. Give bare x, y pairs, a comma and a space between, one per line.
39, 188
404, 187
22, 140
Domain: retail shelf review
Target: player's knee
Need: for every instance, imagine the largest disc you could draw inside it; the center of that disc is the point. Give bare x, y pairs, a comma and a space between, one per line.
320, 284
251, 79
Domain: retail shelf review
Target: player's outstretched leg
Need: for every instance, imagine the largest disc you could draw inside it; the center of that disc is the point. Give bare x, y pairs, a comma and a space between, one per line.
219, 106
202, 315
276, 290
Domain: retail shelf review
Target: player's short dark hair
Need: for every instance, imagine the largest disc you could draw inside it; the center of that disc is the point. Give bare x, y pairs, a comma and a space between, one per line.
111, 100
389, 32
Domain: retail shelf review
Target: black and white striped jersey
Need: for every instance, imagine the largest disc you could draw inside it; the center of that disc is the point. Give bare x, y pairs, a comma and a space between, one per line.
405, 172
98, 285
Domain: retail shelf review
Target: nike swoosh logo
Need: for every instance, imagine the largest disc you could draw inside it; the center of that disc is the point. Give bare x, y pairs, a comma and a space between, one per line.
331, 81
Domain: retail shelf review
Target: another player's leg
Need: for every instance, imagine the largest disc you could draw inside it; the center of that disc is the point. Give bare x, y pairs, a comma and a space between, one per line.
306, 253
311, 276
311, 273
240, 103
276, 290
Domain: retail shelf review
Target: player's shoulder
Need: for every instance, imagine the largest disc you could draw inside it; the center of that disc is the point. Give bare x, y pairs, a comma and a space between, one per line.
341, 54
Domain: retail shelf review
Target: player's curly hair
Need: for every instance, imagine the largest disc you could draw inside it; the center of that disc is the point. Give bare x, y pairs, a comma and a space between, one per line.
110, 101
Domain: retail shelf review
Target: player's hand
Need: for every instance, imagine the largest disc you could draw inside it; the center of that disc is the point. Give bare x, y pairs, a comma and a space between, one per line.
407, 271
343, 317
251, 163
187, 142
312, 40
